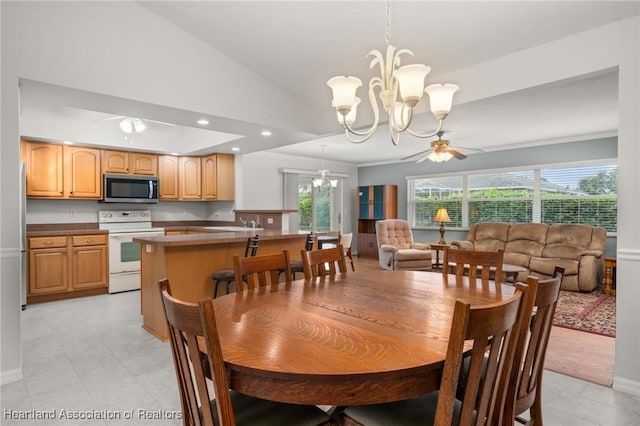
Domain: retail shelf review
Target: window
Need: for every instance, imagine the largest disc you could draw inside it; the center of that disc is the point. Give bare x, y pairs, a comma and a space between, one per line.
319, 207
582, 194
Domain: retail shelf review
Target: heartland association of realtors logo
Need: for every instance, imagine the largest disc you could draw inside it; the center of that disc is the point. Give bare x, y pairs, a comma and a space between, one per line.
63, 414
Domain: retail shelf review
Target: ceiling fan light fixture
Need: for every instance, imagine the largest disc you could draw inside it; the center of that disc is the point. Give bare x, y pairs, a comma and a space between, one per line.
438, 156
126, 125
139, 125
129, 125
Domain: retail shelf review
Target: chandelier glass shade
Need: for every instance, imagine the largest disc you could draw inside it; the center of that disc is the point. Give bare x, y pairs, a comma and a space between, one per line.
400, 89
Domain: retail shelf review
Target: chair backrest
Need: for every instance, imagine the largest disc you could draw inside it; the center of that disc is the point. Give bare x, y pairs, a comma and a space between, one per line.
526, 375
251, 249
324, 262
262, 270
185, 328
394, 232
489, 263
308, 245
346, 240
494, 331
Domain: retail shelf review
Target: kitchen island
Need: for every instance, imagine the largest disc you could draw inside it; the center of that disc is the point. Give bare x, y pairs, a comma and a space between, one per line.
188, 261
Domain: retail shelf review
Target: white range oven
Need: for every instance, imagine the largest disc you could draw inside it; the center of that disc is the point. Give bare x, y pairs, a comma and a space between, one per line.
124, 254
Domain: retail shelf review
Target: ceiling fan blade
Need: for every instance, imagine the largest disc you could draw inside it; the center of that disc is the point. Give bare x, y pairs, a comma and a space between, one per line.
159, 122
417, 154
457, 154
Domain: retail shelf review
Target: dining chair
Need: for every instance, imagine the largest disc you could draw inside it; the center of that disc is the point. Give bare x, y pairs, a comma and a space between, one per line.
262, 270
525, 386
488, 263
228, 276
190, 324
324, 262
494, 330
346, 240
298, 265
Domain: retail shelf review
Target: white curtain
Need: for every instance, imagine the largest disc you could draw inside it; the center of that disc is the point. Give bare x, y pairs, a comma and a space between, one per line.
291, 199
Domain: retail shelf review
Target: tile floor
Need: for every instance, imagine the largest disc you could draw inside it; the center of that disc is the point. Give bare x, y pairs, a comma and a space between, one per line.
90, 356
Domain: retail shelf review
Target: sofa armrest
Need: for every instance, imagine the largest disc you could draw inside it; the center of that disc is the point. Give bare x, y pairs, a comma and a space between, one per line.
463, 245
594, 253
421, 246
389, 248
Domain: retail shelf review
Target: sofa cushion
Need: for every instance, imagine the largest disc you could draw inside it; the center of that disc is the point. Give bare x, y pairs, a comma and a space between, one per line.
516, 259
412, 254
527, 238
547, 265
491, 231
575, 235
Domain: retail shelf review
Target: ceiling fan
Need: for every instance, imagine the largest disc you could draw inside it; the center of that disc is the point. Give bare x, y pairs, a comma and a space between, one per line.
441, 150
133, 124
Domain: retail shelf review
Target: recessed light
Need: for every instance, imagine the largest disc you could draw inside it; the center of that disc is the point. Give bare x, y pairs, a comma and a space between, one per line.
203, 122
68, 143
266, 133
173, 153
235, 148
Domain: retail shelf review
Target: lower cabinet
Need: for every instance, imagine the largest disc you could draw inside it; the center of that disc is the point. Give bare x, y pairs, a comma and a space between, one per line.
62, 267
367, 245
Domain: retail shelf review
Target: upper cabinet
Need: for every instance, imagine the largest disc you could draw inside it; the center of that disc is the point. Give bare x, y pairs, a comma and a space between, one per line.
61, 171
75, 172
218, 177
44, 169
136, 163
168, 177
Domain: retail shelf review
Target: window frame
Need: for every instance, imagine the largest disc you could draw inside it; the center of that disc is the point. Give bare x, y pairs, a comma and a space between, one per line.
536, 170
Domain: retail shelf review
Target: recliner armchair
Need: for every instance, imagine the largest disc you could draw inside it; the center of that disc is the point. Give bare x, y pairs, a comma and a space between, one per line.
396, 248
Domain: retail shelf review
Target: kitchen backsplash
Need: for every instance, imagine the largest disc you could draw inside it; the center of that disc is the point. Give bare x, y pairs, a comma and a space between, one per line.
86, 211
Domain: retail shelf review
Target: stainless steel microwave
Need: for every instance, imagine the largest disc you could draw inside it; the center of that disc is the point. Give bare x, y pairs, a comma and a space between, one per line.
130, 189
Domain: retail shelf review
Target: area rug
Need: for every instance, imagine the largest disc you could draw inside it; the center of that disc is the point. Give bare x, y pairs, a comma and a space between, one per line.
593, 312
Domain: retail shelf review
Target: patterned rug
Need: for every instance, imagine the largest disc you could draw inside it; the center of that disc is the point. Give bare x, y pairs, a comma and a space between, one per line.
593, 312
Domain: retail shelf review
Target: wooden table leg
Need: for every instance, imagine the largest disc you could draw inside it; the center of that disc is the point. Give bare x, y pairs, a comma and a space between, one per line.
610, 264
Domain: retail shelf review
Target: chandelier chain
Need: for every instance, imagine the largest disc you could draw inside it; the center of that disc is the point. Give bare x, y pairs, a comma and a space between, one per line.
387, 36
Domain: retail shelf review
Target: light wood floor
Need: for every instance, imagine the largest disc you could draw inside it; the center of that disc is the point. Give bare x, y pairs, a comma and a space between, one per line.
586, 356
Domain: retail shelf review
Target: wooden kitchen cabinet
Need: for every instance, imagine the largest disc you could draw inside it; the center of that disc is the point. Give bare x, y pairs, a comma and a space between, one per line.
82, 172
48, 265
189, 178
375, 202
168, 177
136, 163
89, 263
62, 171
62, 267
218, 177
44, 169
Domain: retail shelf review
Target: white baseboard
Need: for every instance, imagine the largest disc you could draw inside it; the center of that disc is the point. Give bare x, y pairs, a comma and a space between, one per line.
627, 386
11, 376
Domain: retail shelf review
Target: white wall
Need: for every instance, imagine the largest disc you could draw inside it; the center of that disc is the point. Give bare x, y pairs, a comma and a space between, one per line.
263, 185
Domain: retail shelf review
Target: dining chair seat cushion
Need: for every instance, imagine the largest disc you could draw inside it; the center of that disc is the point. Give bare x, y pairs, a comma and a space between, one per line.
416, 411
255, 411
224, 275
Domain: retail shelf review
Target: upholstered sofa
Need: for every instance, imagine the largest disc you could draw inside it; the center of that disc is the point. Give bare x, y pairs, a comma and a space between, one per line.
540, 247
396, 248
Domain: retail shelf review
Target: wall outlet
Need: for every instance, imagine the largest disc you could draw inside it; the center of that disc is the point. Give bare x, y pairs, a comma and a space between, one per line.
73, 213
269, 221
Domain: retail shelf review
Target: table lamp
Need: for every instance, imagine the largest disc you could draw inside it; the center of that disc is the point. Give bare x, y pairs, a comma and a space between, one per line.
442, 216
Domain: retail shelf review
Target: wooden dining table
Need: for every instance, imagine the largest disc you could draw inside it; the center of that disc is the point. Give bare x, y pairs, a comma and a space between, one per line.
358, 338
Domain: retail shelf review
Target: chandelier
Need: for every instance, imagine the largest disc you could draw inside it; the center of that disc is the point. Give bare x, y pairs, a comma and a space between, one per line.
400, 87
318, 182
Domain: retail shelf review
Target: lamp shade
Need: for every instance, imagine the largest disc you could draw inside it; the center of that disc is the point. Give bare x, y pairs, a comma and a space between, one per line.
411, 82
442, 215
441, 98
344, 92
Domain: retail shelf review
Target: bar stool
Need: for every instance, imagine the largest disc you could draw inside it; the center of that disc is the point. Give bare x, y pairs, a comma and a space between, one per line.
228, 276
298, 265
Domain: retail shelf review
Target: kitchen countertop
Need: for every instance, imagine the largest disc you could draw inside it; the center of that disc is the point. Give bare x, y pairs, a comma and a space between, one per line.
209, 236
65, 232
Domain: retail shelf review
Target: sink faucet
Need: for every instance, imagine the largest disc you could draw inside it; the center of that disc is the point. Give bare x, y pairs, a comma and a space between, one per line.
253, 223
244, 222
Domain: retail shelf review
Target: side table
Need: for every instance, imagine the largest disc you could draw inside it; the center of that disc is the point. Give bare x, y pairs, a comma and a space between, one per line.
438, 248
610, 265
